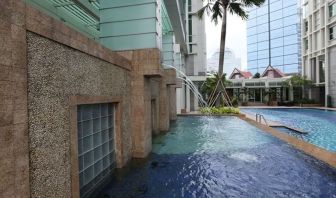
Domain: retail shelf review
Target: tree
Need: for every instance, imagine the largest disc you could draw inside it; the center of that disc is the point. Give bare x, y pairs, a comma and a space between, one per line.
301, 82
218, 9
256, 75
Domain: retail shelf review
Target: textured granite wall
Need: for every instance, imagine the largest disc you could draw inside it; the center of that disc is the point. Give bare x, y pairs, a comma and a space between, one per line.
56, 72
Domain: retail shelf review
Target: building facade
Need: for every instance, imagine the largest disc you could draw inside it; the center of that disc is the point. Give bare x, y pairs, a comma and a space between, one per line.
269, 89
83, 87
196, 58
319, 49
273, 36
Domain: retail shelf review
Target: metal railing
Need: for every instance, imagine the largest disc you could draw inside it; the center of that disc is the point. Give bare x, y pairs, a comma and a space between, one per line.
260, 117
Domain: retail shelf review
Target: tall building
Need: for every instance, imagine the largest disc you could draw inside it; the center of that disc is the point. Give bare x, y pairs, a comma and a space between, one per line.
196, 60
319, 49
231, 61
273, 32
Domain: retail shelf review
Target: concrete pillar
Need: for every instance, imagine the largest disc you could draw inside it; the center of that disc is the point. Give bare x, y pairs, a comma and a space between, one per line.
188, 99
164, 106
14, 153
172, 102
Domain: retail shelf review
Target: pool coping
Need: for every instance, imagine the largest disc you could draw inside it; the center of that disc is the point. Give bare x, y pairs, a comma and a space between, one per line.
287, 107
308, 148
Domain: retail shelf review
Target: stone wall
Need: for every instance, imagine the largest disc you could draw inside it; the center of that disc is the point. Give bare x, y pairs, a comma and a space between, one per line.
56, 72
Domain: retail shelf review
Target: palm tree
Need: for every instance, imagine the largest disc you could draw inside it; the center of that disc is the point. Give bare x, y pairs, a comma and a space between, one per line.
212, 87
219, 8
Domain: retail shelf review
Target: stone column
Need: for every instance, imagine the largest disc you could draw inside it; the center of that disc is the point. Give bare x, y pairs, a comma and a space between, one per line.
172, 102
14, 154
164, 106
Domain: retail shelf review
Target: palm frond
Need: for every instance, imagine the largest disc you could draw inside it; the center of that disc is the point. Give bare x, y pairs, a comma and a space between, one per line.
217, 11
250, 3
237, 8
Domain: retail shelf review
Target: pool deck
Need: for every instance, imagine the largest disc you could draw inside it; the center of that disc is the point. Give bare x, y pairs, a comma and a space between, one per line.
310, 149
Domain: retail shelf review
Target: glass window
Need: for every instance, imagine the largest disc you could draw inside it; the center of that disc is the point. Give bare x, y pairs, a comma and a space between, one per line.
262, 28
252, 13
251, 23
263, 45
252, 31
263, 9
263, 36
277, 60
291, 49
287, 3
306, 44
276, 15
263, 54
292, 68
262, 19
276, 24
276, 6
332, 10
290, 30
263, 62
277, 33
277, 51
290, 59
332, 32
292, 39
305, 11
291, 20
291, 10
276, 42
306, 26
252, 56
316, 3
252, 39
252, 47
253, 64
96, 150
322, 70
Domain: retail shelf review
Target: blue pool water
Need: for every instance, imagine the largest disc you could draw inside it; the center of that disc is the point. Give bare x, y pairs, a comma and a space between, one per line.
320, 124
223, 157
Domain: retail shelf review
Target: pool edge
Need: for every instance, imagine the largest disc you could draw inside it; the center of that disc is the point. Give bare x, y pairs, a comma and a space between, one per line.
310, 149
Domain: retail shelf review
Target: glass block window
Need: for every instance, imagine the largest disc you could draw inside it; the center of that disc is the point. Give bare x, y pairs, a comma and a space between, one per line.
96, 144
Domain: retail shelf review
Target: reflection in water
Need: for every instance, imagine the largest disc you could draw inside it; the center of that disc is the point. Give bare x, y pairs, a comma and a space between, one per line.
224, 157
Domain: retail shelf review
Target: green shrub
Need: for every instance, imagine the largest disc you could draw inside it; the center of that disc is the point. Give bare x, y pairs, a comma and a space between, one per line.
220, 110
305, 101
235, 101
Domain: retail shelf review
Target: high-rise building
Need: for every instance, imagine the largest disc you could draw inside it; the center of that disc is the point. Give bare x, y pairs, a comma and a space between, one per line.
196, 39
231, 61
319, 49
273, 32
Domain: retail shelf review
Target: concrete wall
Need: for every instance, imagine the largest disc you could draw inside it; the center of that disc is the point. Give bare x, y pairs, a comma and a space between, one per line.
56, 72
47, 69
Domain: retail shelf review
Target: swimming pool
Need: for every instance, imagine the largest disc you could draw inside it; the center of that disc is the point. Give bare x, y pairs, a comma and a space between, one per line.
320, 124
223, 157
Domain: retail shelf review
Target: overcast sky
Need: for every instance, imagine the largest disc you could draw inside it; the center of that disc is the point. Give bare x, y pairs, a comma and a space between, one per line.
235, 38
